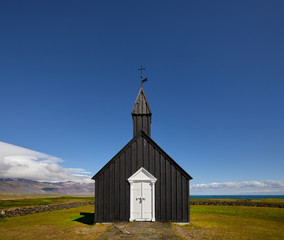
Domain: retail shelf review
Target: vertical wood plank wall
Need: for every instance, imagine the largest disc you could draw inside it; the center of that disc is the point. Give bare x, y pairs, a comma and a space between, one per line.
112, 188
141, 122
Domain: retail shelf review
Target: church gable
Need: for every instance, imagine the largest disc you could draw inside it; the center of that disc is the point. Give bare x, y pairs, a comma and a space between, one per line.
142, 151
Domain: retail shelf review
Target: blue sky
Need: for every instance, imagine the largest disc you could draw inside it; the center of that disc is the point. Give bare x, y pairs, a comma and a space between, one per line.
69, 79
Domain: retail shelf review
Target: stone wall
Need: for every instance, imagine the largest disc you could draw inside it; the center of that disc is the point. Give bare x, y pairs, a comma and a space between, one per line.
246, 203
52, 207
37, 209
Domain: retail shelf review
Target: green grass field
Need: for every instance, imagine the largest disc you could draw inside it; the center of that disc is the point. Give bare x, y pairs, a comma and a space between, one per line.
230, 222
207, 222
74, 223
36, 201
239, 200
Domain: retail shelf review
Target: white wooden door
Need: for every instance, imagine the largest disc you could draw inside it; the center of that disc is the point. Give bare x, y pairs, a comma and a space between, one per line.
142, 196
142, 201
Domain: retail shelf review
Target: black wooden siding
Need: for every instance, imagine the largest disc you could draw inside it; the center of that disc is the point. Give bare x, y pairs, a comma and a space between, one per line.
112, 190
141, 122
141, 114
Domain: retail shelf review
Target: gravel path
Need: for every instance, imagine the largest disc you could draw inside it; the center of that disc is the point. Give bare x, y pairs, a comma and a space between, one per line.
140, 230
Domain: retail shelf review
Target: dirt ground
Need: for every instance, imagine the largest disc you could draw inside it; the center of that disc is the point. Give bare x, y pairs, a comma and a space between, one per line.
140, 231
192, 233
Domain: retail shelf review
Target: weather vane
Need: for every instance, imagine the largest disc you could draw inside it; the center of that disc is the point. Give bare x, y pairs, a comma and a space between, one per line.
145, 79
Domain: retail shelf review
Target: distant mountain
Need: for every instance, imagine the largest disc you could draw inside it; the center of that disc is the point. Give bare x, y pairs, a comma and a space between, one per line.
25, 186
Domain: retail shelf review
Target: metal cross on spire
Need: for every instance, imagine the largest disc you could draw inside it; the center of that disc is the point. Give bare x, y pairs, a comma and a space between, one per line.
141, 70
145, 79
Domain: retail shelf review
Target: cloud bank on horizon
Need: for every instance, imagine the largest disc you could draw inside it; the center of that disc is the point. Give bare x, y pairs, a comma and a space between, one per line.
267, 187
19, 162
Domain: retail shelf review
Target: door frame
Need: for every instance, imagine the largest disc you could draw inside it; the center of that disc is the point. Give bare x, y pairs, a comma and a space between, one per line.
142, 175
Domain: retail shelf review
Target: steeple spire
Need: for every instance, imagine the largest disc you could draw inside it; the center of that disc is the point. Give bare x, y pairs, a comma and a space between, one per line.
141, 114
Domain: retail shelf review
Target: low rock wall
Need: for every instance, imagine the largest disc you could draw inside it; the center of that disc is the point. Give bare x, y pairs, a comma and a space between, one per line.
245, 203
37, 209
5, 213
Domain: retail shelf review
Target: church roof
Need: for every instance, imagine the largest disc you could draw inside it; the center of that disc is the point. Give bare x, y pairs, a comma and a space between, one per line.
154, 144
141, 105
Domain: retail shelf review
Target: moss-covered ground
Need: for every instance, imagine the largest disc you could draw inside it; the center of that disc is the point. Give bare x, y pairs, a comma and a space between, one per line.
74, 223
207, 222
230, 223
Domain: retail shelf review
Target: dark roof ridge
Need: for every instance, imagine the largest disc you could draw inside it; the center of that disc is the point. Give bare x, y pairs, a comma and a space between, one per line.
145, 135
108, 163
167, 155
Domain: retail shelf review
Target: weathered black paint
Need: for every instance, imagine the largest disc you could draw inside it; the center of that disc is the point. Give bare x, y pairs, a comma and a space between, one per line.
141, 114
112, 189
171, 191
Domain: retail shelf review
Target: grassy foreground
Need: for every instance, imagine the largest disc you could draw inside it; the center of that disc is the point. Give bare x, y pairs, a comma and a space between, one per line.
74, 223
230, 222
207, 222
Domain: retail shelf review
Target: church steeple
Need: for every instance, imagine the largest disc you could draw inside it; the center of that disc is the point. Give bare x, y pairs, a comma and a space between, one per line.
141, 114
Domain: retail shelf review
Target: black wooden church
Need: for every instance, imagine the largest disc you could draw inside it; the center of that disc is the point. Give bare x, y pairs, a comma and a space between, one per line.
142, 182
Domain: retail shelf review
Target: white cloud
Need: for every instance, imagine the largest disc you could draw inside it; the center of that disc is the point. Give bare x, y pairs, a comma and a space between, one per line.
245, 187
18, 162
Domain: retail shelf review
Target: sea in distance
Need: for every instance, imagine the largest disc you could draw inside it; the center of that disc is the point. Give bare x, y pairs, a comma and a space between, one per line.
238, 196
